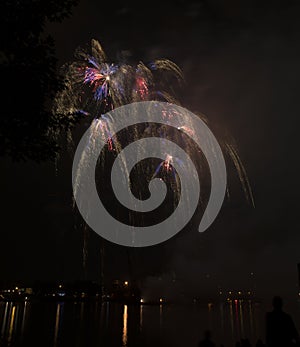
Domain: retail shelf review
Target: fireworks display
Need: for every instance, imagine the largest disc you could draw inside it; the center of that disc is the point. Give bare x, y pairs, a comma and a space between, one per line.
94, 87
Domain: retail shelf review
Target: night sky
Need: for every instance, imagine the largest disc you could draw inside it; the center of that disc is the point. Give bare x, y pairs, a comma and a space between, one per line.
240, 61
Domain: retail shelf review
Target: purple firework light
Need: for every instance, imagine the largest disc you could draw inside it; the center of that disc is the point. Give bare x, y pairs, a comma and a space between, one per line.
94, 86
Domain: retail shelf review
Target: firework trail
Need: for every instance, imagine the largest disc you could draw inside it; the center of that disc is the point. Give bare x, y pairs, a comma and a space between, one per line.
94, 86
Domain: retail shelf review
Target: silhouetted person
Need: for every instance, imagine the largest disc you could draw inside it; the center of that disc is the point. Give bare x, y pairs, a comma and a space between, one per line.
280, 328
259, 343
238, 344
207, 342
245, 343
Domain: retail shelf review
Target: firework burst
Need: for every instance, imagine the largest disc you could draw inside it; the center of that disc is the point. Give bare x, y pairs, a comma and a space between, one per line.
94, 86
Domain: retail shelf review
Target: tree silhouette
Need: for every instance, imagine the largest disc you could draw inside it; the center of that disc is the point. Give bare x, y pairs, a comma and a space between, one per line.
29, 79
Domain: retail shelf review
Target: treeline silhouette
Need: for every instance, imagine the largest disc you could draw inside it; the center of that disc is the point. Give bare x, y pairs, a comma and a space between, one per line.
29, 78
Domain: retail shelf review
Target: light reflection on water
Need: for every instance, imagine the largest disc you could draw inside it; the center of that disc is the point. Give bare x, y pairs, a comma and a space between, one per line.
125, 319
57, 324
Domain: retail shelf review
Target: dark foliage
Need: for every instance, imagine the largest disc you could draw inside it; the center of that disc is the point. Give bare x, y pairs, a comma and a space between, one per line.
29, 78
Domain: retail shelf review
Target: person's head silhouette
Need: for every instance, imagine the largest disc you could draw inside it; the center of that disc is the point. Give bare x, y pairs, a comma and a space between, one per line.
277, 303
207, 335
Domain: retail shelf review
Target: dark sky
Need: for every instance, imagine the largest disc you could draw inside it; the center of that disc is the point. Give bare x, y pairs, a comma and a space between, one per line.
241, 66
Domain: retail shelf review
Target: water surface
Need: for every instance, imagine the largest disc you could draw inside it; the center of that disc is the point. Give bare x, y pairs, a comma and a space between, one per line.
53, 324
